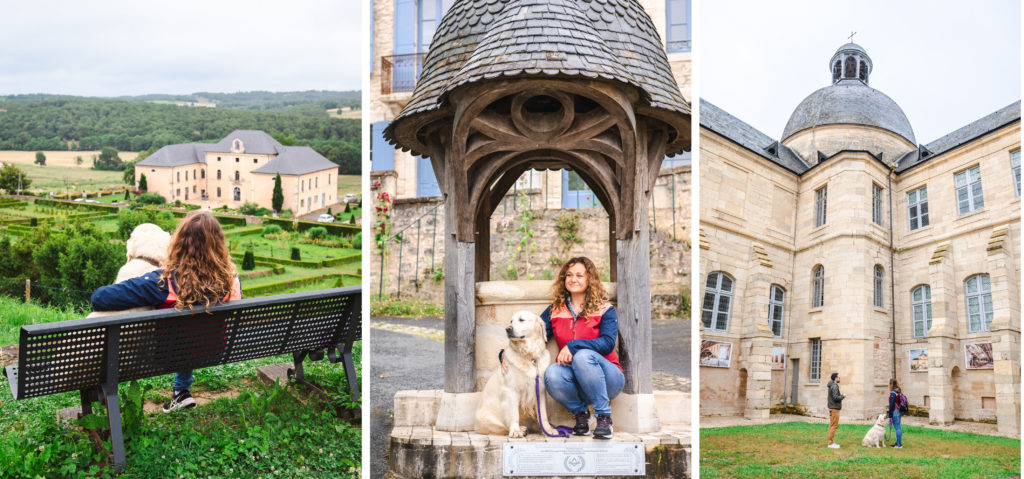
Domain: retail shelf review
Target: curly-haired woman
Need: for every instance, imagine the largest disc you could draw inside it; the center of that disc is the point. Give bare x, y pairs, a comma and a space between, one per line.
198, 271
585, 326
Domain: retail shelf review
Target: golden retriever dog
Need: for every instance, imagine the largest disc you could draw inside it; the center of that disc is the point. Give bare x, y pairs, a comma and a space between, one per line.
876, 435
146, 249
511, 392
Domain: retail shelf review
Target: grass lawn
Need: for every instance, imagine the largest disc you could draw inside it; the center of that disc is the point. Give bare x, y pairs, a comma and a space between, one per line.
797, 449
349, 184
61, 170
253, 431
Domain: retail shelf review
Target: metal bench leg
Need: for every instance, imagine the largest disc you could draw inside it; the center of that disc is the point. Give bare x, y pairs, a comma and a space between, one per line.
114, 417
350, 371
86, 395
298, 357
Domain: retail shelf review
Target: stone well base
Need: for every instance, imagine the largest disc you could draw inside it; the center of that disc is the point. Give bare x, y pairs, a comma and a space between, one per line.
425, 452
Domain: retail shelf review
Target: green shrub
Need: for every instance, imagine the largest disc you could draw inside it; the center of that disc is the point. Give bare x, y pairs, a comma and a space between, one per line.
352, 220
33, 222
317, 233
357, 240
329, 212
151, 199
249, 261
248, 208
271, 229
348, 208
296, 255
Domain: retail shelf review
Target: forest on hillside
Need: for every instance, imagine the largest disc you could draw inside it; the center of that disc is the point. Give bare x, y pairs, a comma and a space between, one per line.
48, 122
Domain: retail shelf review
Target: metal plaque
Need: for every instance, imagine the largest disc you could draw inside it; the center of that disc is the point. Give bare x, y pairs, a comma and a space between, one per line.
589, 458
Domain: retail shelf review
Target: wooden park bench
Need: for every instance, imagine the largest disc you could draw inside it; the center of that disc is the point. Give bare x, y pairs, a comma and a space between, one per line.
93, 355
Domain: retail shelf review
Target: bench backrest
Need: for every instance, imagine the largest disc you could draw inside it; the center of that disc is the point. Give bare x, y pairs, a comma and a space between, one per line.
84, 353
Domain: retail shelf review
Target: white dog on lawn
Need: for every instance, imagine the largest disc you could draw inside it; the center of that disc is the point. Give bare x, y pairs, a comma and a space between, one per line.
146, 250
876, 435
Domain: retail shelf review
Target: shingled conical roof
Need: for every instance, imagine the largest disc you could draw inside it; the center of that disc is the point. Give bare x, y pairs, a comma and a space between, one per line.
479, 40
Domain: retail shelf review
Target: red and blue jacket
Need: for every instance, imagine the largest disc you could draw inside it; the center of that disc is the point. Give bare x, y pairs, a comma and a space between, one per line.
597, 332
146, 290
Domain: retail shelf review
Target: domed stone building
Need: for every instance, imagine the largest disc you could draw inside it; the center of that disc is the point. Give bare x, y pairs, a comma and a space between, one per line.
846, 246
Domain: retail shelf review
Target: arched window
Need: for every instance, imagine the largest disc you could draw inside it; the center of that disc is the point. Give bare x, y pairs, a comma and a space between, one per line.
863, 73
818, 299
851, 68
717, 301
218, 192
879, 274
238, 194
979, 303
836, 70
921, 305
776, 300
236, 175
202, 174
218, 176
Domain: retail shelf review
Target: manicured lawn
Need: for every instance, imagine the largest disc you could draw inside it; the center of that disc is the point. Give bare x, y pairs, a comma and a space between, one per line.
349, 184
797, 449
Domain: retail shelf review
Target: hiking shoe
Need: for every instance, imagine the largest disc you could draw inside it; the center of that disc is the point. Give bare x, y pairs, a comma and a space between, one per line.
581, 428
180, 400
833, 446
897, 446
603, 430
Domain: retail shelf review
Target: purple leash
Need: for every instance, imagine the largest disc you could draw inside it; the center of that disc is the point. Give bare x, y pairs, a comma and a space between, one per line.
562, 431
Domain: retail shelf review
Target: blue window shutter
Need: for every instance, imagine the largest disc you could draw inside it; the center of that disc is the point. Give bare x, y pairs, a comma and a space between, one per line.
382, 154
405, 27
677, 33
426, 182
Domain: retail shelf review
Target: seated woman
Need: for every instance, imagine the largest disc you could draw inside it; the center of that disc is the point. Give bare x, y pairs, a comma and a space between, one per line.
585, 327
198, 271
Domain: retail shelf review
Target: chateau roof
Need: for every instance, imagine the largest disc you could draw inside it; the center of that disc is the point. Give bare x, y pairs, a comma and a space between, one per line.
178, 155
486, 39
295, 160
849, 101
982, 126
719, 121
254, 142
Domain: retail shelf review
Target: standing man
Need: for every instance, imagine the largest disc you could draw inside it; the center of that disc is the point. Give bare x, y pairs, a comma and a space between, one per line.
835, 403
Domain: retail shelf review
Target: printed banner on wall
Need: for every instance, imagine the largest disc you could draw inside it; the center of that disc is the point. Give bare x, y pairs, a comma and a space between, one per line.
778, 357
716, 354
919, 360
978, 356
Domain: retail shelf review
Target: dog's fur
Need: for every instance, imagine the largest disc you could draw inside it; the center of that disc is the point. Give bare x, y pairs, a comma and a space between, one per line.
147, 241
510, 396
876, 435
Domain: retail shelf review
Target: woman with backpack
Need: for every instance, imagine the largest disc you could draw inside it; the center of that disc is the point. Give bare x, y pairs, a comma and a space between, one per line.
897, 406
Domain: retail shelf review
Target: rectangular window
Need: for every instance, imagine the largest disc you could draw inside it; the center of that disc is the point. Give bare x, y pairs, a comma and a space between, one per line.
815, 374
776, 300
1015, 165
820, 203
876, 204
677, 33
968, 190
917, 204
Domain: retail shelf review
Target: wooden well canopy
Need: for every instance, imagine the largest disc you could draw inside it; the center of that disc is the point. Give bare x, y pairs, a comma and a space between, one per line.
515, 85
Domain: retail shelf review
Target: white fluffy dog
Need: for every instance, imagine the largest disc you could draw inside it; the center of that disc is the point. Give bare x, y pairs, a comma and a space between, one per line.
510, 395
876, 435
147, 248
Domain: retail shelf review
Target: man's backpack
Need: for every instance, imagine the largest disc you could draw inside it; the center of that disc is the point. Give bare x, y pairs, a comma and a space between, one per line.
902, 403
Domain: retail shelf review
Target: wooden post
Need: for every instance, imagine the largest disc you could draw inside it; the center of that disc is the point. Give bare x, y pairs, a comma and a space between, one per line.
28, 290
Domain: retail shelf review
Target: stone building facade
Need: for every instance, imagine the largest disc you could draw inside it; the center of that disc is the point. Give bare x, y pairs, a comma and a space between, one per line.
848, 247
239, 169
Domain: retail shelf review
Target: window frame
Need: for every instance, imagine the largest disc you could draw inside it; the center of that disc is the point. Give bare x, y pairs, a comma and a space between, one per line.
876, 204
684, 45
818, 286
1015, 169
773, 303
814, 371
974, 202
920, 201
925, 306
878, 292
984, 316
717, 293
820, 206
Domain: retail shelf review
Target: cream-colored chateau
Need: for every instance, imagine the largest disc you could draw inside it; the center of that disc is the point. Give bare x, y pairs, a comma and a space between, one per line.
401, 35
239, 169
848, 247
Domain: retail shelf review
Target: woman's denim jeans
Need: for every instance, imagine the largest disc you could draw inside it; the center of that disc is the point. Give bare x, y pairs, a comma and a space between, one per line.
896, 425
590, 379
183, 380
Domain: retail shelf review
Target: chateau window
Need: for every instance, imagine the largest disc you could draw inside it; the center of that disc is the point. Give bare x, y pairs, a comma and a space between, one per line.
917, 203
677, 34
255, 161
879, 279
979, 303
302, 202
1015, 165
193, 188
968, 190
819, 287
237, 173
202, 174
815, 373
218, 192
316, 182
717, 300
218, 158
863, 73
329, 181
177, 192
837, 68
237, 160
238, 194
820, 203
776, 298
303, 188
178, 176
851, 68
921, 305
218, 175
193, 174
876, 204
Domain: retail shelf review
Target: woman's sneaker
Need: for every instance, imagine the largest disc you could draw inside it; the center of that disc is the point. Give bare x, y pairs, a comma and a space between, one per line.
180, 400
581, 428
604, 427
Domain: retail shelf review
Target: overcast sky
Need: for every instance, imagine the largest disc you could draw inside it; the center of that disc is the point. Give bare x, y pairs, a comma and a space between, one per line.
132, 47
946, 63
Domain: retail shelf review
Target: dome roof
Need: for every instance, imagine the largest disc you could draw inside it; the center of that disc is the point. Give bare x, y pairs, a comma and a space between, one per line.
850, 102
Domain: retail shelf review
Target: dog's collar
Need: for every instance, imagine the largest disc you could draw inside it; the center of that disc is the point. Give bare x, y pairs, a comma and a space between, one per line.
148, 260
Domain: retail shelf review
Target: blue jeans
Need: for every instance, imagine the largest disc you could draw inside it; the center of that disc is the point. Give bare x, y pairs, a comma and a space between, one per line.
183, 380
896, 425
590, 379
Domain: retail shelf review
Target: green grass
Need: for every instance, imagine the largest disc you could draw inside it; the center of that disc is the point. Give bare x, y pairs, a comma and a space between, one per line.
349, 184
261, 432
797, 449
409, 308
55, 178
14, 314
